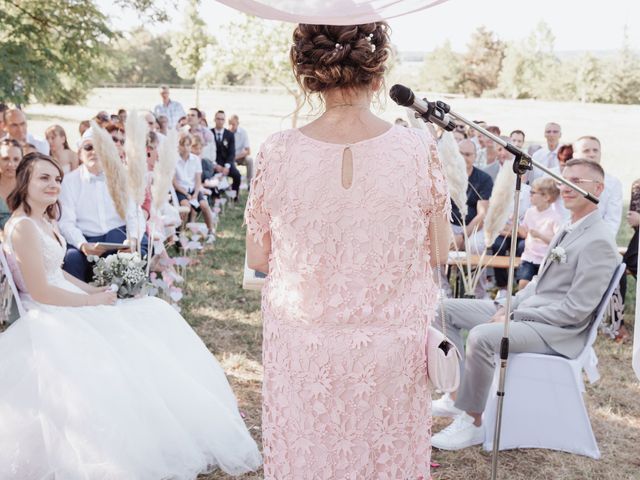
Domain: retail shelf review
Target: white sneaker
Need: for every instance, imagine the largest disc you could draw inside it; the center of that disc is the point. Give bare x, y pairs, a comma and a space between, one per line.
462, 433
444, 407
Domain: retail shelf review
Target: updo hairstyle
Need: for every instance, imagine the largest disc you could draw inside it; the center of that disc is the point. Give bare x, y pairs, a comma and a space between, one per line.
324, 57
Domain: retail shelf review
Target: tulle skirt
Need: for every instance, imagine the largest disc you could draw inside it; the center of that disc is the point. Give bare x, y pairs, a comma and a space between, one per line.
125, 392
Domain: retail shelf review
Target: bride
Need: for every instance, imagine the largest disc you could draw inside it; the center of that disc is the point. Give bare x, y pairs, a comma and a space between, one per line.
92, 387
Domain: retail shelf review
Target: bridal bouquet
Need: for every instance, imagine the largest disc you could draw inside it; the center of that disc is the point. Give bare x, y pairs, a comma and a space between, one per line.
125, 272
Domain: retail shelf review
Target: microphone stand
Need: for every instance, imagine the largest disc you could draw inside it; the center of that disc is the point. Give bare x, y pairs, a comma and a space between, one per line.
521, 163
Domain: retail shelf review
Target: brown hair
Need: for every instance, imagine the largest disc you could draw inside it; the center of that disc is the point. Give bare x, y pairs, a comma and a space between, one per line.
324, 57
18, 197
59, 132
565, 153
547, 186
11, 143
593, 166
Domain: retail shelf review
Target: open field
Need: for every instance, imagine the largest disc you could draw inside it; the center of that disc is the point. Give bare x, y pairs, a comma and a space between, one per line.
264, 113
228, 320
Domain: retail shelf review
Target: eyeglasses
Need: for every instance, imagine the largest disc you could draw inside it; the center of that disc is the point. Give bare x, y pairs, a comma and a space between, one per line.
87, 147
460, 127
552, 131
118, 140
577, 181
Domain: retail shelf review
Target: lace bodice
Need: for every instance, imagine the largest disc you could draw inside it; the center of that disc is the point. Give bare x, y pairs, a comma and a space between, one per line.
52, 252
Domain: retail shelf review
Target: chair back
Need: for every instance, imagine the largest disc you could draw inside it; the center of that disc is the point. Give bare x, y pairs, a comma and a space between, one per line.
9, 295
602, 306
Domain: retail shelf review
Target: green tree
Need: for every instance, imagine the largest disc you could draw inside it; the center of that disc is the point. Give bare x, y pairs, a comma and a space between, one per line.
189, 45
50, 50
482, 62
590, 79
624, 83
256, 51
141, 58
442, 70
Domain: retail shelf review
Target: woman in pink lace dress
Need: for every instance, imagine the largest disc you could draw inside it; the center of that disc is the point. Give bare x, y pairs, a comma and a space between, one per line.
341, 216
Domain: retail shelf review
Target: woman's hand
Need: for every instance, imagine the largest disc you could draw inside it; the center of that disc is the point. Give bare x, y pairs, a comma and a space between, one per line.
633, 218
106, 297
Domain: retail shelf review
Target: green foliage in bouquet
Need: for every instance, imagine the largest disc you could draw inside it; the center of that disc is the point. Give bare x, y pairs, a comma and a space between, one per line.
124, 270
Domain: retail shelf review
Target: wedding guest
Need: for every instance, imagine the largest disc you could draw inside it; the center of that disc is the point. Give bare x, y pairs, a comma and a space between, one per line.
459, 135
551, 315
479, 190
501, 155
60, 150
93, 387
517, 138
547, 155
196, 129
188, 183
226, 152
122, 117
540, 224
15, 126
345, 393
611, 199
243, 150
83, 126
170, 109
89, 215
163, 124
10, 156
487, 154
565, 153
102, 118
117, 135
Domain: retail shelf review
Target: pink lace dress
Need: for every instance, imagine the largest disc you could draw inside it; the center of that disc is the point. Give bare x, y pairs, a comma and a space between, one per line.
346, 304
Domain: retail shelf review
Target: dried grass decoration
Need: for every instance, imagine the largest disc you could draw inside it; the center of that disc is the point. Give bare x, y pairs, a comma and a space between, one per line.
165, 169
455, 169
114, 170
135, 148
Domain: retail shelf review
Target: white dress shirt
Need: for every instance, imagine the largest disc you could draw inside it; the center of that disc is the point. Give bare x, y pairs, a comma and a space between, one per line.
242, 140
545, 157
186, 171
88, 210
610, 205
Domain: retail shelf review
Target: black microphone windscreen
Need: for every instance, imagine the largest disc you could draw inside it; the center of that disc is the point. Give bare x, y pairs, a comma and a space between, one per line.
401, 95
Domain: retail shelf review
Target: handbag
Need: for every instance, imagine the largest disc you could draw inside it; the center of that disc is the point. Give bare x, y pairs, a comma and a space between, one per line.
443, 358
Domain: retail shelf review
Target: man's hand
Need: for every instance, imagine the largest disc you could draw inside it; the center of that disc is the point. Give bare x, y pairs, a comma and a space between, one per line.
92, 249
499, 316
633, 218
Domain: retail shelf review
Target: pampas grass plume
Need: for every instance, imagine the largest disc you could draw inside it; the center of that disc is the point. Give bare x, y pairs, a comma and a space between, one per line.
114, 170
135, 148
165, 169
500, 204
455, 170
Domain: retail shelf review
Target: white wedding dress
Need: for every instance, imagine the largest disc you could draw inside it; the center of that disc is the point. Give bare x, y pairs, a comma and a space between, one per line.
124, 392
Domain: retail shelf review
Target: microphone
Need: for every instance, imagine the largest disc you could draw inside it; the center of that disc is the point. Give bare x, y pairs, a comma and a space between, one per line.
428, 111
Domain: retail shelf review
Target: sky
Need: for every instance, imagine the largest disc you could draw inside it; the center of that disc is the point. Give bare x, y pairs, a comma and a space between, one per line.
592, 25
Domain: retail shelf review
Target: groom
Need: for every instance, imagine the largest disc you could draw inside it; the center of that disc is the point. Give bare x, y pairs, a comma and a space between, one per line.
551, 315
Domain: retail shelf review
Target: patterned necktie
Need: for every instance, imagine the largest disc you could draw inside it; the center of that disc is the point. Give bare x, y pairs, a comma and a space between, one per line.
219, 136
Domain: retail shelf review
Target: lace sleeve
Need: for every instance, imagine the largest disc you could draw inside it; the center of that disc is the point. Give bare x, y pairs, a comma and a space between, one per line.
433, 183
256, 217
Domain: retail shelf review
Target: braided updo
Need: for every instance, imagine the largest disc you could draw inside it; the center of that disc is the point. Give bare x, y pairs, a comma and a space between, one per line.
325, 57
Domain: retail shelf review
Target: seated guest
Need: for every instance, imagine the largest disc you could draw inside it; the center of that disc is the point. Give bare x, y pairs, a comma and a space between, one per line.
540, 224
60, 150
502, 155
611, 199
517, 138
226, 152
565, 153
552, 315
195, 128
547, 156
243, 150
15, 126
89, 215
208, 171
478, 192
10, 157
487, 153
188, 183
117, 135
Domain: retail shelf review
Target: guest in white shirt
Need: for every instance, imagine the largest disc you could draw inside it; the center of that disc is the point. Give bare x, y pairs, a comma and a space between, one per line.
547, 156
188, 183
15, 126
89, 215
174, 111
243, 150
611, 198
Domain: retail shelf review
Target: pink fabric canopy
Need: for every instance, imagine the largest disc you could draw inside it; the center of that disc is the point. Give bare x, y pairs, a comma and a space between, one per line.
330, 12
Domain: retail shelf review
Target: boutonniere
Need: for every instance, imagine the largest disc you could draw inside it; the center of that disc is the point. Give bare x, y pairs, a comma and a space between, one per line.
558, 254
225, 142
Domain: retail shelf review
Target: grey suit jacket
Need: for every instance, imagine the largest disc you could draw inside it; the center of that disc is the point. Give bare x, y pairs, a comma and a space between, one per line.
560, 305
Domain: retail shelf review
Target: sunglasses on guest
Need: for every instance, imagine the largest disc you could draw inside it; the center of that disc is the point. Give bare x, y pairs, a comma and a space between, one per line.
87, 147
118, 140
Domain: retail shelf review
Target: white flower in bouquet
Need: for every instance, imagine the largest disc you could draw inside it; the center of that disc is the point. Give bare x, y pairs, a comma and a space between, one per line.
124, 271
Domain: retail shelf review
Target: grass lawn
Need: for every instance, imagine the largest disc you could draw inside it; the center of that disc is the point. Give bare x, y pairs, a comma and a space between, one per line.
228, 320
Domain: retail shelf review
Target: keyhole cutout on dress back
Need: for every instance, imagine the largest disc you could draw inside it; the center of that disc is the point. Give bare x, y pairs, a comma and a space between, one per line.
347, 168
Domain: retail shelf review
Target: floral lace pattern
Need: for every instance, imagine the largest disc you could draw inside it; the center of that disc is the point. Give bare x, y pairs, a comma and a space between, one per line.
346, 304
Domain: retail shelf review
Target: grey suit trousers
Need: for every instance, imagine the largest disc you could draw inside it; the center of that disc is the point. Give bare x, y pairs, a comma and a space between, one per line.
483, 342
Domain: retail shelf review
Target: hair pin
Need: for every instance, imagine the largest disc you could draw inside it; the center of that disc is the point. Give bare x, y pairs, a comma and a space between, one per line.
370, 40
339, 46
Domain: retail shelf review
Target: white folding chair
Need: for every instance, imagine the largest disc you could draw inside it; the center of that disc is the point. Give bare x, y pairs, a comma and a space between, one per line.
9, 296
543, 403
